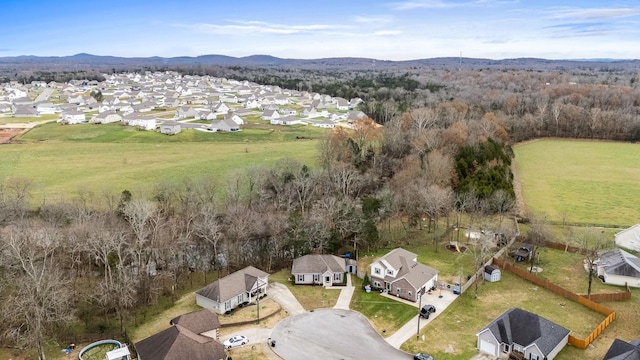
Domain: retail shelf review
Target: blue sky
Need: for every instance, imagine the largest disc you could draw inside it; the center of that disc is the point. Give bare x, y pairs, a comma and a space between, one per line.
380, 29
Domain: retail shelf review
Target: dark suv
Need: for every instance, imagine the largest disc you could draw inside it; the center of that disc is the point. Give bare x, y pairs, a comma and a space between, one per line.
421, 356
427, 310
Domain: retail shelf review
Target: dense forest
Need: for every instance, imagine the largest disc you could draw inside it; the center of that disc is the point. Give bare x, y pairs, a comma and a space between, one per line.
438, 143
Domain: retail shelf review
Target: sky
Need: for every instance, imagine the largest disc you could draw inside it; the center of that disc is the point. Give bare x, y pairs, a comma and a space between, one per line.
308, 29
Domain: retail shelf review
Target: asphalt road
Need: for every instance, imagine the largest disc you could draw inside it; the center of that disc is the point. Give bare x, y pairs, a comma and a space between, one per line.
327, 334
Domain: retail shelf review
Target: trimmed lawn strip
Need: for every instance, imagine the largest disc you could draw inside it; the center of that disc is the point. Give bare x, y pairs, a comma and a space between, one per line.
250, 312
386, 315
452, 334
310, 297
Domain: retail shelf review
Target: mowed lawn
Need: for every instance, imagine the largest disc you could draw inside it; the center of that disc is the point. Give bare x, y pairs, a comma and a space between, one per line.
586, 182
60, 160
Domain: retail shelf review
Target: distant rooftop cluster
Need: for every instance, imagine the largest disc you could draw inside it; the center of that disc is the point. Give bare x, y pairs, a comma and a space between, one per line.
169, 102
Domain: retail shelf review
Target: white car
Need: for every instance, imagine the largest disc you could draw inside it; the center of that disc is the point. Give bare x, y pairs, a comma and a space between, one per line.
236, 341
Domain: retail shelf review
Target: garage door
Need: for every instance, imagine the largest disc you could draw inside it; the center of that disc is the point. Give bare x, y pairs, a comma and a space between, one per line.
488, 347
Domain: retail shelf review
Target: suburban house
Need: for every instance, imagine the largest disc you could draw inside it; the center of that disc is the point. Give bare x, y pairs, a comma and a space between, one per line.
139, 120
24, 111
523, 333
618, 267
203, 322
170, 127
72, 117
235, 118
270, 115
398, 273
240, 287
226, 125
313, 269
178, 342
629, 238
106, 117
622, 350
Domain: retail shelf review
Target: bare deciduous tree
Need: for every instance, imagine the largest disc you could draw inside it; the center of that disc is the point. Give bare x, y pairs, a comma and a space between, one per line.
37, 297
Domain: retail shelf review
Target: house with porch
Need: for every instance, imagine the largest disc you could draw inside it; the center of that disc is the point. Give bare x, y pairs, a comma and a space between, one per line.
525, 334
316, 269
240, 287
398, 273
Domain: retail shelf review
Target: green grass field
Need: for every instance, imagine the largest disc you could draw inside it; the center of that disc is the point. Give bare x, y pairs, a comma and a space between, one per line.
61, 159
586, 182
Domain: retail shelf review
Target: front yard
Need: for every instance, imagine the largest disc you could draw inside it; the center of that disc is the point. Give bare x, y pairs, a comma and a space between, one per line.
386, 315
310, 297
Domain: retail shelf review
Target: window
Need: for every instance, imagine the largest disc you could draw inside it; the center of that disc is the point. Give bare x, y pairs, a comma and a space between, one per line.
376, 284
240, 298
316, 277
389, 272
376, 270
409, 293
300, 277
336, 276
227, 305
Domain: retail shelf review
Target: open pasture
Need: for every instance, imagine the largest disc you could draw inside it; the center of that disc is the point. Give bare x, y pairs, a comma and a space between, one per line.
60, 160
584, 182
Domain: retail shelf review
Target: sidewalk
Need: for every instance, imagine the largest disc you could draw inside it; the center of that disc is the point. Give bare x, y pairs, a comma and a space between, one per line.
411, 327
345, 295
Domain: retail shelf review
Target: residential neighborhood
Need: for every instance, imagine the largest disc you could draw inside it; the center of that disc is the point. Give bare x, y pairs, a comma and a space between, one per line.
168, 102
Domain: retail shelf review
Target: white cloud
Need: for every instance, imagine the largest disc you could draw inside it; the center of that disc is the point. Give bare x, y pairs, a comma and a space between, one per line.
443, 4
593, 14
240, 27
387, 32
381, 19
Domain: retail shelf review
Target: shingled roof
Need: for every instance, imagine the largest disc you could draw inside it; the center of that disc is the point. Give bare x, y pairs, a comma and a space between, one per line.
318, 264
525, 328
198, 321
622, 350
178, 343
233, 284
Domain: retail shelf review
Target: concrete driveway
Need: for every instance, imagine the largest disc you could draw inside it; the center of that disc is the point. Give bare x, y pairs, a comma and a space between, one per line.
327, 334
283, 296
411, 327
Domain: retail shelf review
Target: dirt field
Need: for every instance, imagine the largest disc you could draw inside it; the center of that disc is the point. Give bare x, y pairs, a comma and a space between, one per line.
6, 134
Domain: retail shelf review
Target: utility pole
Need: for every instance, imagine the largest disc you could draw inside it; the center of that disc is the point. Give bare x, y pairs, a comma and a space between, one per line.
419, 308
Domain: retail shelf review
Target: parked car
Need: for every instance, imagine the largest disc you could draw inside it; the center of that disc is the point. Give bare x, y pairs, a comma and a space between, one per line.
421, 356
427, 310
236, 341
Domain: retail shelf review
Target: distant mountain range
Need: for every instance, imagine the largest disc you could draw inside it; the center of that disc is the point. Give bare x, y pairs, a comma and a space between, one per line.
95, 62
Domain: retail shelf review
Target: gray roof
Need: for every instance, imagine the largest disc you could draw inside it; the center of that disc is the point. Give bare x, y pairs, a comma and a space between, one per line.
178, 343
396, 257
620, 262
318, 264
525, 328
415, 273
232, 285
622, 350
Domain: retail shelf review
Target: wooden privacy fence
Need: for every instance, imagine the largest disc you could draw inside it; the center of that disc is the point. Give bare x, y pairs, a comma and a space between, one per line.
577, 342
